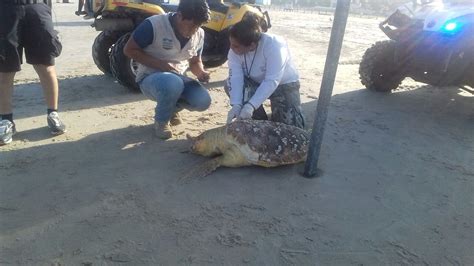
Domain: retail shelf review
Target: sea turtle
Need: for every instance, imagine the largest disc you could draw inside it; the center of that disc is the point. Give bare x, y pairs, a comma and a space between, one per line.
250, 142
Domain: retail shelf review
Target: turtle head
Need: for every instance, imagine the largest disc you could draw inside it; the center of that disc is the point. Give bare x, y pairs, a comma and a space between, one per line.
198, 144
205, 144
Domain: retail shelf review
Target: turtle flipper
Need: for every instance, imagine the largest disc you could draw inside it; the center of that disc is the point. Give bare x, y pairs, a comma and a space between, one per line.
203, 169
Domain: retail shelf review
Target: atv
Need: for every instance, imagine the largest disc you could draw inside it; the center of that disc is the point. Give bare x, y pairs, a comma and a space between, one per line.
116, 19
430, 41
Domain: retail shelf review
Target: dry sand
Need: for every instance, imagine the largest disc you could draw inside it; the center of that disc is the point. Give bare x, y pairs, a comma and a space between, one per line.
397, 187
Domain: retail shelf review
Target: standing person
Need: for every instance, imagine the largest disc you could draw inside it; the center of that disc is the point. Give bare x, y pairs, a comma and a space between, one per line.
164, 45
87, 5
264, 60
80, 5
27, 25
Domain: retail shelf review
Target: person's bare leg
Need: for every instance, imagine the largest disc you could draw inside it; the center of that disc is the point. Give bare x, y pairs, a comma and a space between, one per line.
6, 92
49, 82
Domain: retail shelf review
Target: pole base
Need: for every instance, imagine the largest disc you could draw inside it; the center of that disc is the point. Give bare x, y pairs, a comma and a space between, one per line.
319, 173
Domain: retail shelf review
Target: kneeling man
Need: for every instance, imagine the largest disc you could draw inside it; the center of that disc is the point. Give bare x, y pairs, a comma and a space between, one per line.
164, 46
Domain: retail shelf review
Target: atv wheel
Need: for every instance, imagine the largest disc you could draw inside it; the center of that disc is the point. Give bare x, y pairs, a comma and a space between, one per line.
470, 80
216, 48
378, 69
102, 47
215, 62
123, 68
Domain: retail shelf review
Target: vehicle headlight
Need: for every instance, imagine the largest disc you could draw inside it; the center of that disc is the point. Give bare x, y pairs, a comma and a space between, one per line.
451, 27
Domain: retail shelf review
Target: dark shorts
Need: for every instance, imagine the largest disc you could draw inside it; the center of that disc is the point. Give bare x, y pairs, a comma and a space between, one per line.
29, 28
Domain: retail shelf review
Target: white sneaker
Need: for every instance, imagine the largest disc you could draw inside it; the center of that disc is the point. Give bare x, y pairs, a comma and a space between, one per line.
55, 125
7, 130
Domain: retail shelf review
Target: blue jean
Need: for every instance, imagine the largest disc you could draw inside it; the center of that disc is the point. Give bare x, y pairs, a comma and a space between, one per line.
172, 94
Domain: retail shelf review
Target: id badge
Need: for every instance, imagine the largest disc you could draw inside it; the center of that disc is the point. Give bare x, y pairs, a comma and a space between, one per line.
247, 94
248, 90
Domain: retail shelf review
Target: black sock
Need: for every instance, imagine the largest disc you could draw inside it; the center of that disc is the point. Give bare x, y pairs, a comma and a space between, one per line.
8, 117
52, 110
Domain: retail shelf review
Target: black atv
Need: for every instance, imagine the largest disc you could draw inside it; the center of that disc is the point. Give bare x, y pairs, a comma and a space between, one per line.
430, 42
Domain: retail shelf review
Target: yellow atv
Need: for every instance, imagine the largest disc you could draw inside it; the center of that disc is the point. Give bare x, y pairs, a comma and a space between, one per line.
116, 19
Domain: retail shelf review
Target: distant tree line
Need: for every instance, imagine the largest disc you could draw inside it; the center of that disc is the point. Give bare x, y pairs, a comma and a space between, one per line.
375, 5
302, 2
380, 5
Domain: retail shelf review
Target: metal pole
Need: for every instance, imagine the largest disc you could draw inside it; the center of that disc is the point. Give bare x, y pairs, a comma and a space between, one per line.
327, 84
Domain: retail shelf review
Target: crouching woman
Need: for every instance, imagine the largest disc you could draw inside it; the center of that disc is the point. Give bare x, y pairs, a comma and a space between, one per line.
261, 68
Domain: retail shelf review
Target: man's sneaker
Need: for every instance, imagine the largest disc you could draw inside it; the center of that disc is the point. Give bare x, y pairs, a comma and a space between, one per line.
55, 125
163, 130
7, 130
176, 119
78, 13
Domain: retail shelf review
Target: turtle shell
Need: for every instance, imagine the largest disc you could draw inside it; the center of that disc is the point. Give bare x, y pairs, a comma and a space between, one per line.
268, 143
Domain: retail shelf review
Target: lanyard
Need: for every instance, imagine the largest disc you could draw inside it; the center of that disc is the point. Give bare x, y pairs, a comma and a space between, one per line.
248, 70
247, 80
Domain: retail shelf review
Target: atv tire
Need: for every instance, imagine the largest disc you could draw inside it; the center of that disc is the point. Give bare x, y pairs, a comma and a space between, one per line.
102, 47
215, 63
216, 48
123, 68
378, 69
470, 79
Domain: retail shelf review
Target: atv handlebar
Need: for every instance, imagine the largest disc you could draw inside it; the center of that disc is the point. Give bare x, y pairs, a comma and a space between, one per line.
391, 33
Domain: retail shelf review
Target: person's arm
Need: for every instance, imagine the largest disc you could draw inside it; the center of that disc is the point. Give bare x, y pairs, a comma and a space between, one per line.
195, 63
141, 38
236, 78
277, 58
197, 68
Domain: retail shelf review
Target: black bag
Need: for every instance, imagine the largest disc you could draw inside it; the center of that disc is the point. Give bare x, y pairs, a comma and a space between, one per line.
250, 87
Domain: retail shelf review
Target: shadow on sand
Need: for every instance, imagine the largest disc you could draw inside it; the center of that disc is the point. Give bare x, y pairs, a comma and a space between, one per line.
110, 183
76, 93
80, 93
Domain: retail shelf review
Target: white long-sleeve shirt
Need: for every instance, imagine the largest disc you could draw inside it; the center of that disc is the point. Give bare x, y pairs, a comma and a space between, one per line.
272, 66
